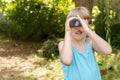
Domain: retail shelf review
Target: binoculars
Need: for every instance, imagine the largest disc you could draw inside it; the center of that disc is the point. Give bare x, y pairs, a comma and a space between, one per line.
74, 23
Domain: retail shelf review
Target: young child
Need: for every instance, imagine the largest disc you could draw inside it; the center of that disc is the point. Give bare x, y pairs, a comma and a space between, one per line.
76, 51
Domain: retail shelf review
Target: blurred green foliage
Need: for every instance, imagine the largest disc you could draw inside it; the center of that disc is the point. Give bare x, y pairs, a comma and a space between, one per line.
115, 36
103, 19
103, 15
36, 19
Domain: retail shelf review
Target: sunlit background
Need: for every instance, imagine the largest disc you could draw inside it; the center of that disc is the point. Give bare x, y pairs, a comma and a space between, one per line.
30, 31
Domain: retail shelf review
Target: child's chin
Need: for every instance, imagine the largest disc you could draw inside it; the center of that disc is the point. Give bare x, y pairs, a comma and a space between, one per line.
78, 38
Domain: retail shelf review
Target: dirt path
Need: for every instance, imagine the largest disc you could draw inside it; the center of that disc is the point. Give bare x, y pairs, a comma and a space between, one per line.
19, 61
16, 63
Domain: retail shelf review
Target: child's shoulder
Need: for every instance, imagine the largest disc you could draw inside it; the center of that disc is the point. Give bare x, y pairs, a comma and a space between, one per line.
60, 45
61, 41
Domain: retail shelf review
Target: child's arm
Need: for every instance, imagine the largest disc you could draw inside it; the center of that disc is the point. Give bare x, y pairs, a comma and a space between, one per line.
65, 50
65, 47
98, 43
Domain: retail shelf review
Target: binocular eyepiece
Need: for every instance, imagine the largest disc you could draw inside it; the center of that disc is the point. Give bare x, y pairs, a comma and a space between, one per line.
74, 23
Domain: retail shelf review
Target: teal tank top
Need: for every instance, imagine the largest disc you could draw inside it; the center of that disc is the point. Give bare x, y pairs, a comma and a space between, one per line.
83, 67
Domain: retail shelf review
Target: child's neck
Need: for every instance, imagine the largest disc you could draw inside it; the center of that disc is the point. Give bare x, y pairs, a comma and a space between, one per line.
78, 42
80, 45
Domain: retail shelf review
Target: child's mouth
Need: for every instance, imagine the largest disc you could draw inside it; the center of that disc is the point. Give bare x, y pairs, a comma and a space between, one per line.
78, 32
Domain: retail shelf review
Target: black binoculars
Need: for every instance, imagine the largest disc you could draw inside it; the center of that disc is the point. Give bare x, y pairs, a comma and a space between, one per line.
74, 23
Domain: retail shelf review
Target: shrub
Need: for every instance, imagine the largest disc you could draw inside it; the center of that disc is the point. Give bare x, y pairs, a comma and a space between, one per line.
4, 25
37, 19
50, 49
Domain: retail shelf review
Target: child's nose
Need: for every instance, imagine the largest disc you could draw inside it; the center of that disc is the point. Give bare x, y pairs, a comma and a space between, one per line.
77, 27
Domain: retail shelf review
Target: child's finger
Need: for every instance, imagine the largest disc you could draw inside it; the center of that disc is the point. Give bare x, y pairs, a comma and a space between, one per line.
79, 17
82, 20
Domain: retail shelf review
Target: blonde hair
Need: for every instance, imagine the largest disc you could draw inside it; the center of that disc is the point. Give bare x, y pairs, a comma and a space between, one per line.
81, 11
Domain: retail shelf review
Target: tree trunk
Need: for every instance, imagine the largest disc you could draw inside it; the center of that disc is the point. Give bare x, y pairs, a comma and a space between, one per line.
86, 3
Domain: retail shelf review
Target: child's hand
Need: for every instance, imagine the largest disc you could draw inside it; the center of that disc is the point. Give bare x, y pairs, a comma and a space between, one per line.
84, 23
67, 25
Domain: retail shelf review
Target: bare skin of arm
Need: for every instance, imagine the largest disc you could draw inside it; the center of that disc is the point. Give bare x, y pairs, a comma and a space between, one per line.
99, 44
65, 47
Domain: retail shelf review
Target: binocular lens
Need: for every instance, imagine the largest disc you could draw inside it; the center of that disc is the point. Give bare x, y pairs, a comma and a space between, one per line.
74, 23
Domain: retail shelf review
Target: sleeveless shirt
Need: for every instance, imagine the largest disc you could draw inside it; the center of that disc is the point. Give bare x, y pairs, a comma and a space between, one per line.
84, 66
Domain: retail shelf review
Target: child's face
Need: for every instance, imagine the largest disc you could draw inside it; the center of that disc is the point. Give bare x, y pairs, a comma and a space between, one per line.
78, 33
